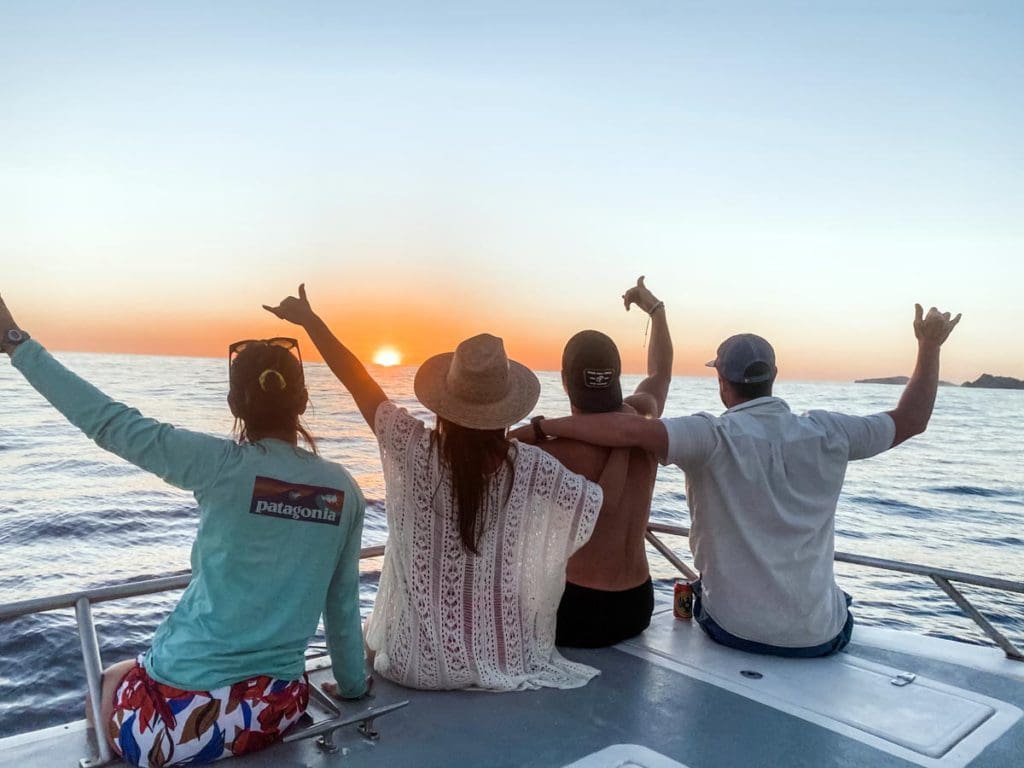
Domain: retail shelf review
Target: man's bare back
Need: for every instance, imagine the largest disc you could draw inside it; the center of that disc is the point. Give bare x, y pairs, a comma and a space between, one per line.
615, 558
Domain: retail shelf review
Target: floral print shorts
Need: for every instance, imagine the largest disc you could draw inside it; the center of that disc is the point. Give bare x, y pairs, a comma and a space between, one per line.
156, 725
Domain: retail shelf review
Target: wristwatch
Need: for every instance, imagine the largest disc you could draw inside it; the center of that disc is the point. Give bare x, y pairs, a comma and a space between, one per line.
538, 433
12, 339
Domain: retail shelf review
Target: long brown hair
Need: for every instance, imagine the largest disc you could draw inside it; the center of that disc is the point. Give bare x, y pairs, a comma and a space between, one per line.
472, 458
268, 392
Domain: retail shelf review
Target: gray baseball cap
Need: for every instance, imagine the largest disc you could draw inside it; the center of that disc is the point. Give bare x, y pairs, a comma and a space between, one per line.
745, 358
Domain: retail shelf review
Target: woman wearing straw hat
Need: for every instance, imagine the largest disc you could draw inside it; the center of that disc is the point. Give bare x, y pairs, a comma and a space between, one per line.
480, 527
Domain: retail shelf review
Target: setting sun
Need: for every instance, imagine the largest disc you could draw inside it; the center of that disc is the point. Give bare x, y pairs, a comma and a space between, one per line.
387, 356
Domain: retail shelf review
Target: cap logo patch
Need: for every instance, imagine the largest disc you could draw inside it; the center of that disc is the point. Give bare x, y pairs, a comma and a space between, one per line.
598, 378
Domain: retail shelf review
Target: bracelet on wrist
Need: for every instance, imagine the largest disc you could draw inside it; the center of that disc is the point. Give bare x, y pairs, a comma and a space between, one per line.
656, 307
538, 433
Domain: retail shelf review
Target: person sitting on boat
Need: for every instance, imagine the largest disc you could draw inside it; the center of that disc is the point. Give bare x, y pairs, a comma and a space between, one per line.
762, 485
608, 595
479, 527
278, 545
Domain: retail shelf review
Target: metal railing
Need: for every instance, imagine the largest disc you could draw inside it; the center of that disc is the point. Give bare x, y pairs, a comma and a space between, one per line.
83, 601
943, 578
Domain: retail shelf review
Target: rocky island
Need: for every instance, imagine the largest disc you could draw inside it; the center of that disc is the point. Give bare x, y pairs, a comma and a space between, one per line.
988, 381
884, 380
896, 380
985, 381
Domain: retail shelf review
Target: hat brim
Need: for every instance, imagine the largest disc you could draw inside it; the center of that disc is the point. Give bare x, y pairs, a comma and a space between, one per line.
431, 388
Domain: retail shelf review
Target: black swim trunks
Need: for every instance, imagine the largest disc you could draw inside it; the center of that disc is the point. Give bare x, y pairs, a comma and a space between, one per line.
595, 618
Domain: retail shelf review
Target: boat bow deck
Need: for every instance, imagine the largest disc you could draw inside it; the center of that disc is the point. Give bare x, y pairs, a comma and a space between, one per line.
681, 700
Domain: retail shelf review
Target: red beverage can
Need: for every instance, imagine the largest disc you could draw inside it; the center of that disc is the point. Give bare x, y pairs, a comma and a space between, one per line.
682, 602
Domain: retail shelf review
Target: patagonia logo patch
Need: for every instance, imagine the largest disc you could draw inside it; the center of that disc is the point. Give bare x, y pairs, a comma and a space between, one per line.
291, 501
598, 378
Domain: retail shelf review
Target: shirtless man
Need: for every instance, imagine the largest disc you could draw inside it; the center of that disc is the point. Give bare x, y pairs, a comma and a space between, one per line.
608, 592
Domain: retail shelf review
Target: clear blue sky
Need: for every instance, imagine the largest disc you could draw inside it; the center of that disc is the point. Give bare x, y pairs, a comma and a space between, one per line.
806, 170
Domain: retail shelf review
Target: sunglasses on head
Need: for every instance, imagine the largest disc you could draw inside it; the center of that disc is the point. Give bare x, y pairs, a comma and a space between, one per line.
292, 345
278, 341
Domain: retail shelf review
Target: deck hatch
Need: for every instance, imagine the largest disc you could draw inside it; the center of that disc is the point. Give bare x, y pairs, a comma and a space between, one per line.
924, 721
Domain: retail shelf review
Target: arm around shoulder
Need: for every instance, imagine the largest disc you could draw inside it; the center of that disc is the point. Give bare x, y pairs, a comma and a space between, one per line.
614, 430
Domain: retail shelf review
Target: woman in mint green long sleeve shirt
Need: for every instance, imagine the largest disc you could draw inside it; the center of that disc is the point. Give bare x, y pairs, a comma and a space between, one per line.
277, 546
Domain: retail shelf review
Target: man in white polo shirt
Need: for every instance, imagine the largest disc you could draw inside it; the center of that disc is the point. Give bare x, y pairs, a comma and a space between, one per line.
762, 484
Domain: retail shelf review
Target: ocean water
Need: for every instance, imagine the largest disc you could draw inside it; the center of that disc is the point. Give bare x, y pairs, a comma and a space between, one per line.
73, 516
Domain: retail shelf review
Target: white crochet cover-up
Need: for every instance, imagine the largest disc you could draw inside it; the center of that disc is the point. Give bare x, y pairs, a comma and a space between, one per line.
445, 618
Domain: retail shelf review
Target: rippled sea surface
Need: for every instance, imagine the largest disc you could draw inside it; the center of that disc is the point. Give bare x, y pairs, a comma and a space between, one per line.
73, 516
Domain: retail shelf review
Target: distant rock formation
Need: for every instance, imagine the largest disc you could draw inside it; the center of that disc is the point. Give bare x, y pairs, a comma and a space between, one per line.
884, 380
897, 380
988, 381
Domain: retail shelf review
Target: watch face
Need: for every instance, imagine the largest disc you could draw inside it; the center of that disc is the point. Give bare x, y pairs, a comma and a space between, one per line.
14, 336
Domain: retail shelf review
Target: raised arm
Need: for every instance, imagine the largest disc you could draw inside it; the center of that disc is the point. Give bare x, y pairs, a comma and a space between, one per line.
654, 389
915, 407
188, 460
345, 365
615, 430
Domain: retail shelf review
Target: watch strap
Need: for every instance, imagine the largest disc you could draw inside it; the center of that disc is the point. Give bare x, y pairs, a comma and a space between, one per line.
10, 340
538, 433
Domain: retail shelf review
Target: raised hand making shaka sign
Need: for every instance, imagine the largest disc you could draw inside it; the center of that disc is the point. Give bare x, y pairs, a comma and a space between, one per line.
294, 310
934, 327
642, 297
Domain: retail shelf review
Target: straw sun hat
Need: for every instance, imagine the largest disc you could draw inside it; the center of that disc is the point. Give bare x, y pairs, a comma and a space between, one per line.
477, 386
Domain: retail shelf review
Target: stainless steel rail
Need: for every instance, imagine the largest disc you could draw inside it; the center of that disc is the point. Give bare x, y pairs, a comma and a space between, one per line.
120, 591
941, 576
82, 603
94, 680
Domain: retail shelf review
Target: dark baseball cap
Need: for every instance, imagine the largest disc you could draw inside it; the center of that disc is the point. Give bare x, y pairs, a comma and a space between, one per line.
591, 368
745, 358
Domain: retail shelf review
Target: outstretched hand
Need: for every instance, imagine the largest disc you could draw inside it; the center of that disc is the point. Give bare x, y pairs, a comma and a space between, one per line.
641, 296
294, 310
934, 327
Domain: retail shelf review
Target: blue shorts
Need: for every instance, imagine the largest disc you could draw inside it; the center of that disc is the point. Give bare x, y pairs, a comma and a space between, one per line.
721, 636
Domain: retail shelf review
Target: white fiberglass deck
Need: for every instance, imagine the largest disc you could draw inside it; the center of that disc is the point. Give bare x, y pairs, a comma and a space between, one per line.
899, 711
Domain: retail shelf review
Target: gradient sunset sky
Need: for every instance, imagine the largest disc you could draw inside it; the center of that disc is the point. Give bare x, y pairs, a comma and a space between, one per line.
805, 170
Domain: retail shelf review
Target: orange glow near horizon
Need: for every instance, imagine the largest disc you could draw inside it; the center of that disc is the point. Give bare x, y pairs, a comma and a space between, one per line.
387, 356
416, 323
408, 336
